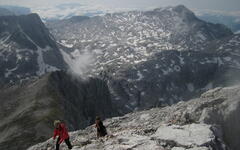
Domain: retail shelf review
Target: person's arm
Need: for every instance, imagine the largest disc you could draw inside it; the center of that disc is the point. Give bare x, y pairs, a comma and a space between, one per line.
55, 133
97, 124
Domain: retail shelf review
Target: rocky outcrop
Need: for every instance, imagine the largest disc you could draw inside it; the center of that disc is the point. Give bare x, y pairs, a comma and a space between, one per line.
28, 110
208, 122
225, 113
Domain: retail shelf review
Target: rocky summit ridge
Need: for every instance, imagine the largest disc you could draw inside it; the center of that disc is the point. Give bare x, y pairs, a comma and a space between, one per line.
205, 123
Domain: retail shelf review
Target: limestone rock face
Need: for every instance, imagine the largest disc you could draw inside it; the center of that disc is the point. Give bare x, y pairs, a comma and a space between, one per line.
225, 114
205, 123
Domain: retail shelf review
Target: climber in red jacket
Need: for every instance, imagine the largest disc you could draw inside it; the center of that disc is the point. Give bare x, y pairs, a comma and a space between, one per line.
62, 133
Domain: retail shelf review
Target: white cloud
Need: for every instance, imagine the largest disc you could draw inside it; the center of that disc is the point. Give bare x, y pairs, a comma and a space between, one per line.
63, 10
79, 63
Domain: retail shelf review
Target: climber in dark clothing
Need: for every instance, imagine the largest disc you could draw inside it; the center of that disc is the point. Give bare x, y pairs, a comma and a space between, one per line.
101, 129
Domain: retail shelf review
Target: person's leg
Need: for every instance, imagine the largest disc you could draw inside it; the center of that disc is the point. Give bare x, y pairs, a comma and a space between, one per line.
57, 144
98, 133
68, 143
103, 132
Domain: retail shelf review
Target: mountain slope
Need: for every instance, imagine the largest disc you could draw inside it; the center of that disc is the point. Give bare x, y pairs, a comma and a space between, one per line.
164, 28
229, 49
27, 111
133, 37
27, 48
204, 123
148, 59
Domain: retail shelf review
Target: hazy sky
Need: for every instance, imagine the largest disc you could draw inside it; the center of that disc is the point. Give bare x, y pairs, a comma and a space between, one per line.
227, 5
47, 8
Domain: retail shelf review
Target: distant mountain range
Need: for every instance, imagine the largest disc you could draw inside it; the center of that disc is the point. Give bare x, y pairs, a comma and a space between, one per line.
13, 10
68, 10
233, 22
150, 58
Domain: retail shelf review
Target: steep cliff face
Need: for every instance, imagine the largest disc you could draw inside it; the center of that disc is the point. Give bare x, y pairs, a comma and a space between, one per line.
205, 123
82, 100
224, 113
27, 49
28, 110
28, 29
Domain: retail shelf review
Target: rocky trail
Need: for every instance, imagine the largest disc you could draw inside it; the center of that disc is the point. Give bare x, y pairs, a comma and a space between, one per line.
205, 123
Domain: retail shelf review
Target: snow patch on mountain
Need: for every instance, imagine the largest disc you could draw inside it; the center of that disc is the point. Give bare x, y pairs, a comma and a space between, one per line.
140, 76
63, 42
43, 67
190, 87
10, 71
237, 32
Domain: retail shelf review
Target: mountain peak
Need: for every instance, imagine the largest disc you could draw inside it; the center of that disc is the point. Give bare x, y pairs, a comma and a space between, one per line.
32, 15
182, 8
185, 12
